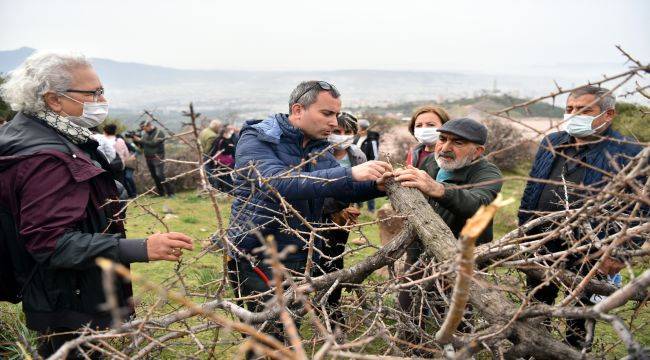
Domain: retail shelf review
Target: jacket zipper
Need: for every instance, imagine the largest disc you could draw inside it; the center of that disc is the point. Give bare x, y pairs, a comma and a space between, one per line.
306, 168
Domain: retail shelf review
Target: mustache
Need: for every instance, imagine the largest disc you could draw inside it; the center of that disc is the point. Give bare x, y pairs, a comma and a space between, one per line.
449, 154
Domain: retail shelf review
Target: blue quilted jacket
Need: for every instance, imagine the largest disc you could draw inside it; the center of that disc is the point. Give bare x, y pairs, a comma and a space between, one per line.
598, 156
267, 154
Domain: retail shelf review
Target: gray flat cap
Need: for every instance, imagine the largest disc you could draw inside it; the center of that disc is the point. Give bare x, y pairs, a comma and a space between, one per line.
467, 129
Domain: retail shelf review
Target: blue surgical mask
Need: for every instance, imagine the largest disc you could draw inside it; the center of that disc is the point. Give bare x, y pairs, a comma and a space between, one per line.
580, 125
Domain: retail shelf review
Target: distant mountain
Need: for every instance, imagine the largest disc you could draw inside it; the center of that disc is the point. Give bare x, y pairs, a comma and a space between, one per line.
123, 74
132, 87
10, 59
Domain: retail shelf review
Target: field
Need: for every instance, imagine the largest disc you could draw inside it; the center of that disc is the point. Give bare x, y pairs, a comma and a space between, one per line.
193, 215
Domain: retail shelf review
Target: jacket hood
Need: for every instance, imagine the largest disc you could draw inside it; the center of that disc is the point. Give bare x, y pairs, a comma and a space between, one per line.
275, 127
26, 134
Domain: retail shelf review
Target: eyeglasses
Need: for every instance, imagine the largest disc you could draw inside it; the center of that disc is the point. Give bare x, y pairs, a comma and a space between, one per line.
95, 93
324, 85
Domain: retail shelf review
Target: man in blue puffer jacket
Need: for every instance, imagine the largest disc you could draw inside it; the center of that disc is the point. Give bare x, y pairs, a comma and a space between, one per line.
286, 156
588, 139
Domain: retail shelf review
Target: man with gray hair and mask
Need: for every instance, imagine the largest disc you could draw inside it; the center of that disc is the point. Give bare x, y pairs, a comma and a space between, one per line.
457, 161
579, 156
56, 217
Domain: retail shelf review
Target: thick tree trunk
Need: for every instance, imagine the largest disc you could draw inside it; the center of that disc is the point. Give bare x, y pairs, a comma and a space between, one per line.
491, 304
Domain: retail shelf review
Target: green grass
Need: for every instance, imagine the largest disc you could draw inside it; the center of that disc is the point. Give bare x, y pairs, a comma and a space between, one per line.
195, 216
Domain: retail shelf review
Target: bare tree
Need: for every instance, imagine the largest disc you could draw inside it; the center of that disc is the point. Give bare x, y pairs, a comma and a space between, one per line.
487, 308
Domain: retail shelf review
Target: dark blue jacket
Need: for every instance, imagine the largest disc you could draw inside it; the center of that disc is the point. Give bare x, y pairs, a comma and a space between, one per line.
597, 156
274, 147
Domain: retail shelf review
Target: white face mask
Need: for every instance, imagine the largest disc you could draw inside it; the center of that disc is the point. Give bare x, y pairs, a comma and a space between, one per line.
94, 113
580, 125
340, 142
426, 135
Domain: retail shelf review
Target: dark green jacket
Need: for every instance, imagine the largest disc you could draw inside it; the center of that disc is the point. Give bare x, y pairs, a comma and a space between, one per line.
458, 205
153, 143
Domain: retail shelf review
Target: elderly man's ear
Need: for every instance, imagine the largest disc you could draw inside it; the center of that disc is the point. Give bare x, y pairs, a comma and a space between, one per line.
610, 114
53, 102
479, 151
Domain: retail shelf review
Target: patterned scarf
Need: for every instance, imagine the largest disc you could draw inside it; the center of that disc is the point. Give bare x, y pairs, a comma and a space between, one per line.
75, 133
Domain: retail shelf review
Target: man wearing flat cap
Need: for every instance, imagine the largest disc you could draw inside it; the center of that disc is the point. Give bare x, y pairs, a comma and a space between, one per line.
457, 161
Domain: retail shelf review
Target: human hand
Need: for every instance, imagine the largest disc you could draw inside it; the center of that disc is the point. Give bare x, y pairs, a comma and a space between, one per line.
610, 266
370, 170
168, 246
419, 179
347, 216
381, 182
351, 215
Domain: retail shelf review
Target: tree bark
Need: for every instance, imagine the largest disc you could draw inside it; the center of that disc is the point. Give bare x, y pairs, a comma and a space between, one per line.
491, 304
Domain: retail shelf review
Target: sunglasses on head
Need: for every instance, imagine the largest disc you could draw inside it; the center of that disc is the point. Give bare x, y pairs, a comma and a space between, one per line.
324, 85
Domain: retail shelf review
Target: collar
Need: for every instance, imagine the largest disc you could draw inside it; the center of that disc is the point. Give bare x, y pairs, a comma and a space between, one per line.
458, 176
276, 127
62, 125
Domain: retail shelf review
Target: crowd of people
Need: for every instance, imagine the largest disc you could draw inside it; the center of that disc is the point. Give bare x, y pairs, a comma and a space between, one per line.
56, 176
218, 143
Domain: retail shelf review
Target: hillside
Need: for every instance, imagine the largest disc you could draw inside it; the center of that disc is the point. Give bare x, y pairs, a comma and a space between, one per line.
134, 86
483, 102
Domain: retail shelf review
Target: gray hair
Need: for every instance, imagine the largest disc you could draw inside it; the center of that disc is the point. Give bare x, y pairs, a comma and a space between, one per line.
306, 93
605, 101
215, 124
364, 123
40, 73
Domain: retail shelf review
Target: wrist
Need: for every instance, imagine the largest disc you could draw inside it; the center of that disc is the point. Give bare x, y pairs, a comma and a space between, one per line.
437, 190
133, 250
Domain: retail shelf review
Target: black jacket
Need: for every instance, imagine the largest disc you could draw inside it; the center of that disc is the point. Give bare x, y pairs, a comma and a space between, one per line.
370, 146
56, 193
224, 146
152, 143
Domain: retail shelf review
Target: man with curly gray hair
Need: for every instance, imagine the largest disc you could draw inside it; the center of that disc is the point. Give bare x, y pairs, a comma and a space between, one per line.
56, 217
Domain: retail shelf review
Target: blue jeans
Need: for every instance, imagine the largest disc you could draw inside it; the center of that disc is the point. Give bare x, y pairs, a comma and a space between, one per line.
371, 205
129, 183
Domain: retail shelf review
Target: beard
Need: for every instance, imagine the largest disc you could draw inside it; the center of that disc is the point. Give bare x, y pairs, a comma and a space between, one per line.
451, 162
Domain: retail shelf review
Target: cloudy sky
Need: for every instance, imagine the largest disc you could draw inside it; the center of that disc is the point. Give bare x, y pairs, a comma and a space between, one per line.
481, 36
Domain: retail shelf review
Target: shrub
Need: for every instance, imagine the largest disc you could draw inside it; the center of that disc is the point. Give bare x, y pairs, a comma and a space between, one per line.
507, 147
632, 120
396, 143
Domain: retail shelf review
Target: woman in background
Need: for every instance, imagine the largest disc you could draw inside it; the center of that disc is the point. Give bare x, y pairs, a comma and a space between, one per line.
223, 156
424, 125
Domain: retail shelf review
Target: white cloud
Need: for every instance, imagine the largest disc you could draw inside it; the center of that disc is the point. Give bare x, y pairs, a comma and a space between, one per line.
482, 36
